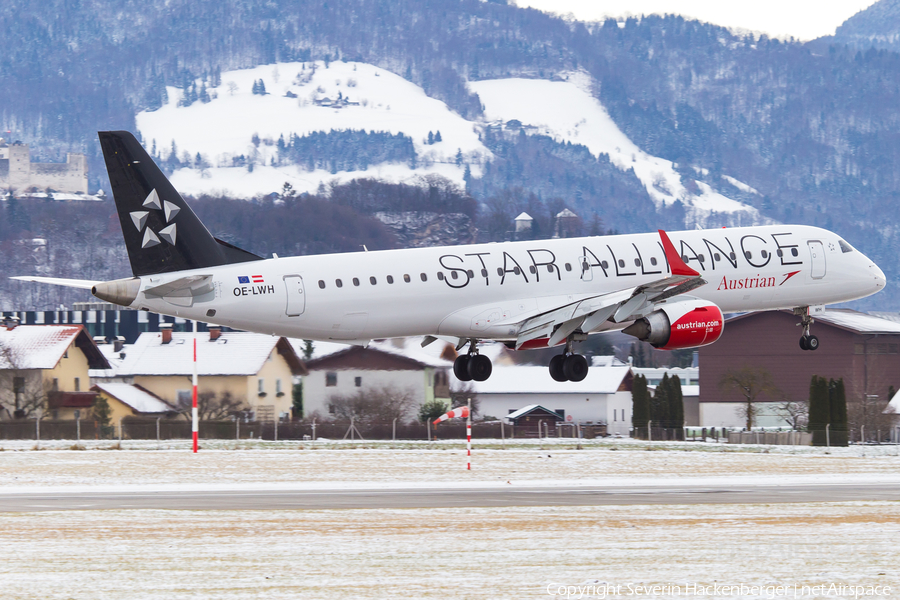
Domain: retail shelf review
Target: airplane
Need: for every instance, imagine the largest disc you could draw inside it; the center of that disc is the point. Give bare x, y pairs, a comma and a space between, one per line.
669, 289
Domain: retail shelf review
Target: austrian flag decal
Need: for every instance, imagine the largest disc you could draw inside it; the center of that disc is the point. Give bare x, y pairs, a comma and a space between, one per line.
256, 279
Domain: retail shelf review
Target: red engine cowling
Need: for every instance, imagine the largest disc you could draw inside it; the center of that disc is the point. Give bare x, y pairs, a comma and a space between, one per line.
681, 324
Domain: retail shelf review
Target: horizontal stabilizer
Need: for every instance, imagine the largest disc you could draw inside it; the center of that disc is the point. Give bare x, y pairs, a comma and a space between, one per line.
191, 286
83, 284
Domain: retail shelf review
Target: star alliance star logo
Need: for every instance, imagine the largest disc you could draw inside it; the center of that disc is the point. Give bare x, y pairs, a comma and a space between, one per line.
167, 233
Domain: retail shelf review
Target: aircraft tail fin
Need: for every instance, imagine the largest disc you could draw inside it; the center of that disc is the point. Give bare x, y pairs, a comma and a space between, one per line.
162, 233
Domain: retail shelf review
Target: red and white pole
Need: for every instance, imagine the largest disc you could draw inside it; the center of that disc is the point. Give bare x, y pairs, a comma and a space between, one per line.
469, 434
195, 420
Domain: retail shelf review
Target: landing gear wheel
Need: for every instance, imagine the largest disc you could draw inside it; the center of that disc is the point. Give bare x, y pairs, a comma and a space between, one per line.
480, 367
812, 342
556, 367
575, 367
461, 368
803, 344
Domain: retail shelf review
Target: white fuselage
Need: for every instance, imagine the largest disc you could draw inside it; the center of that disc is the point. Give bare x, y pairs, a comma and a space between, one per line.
484, 291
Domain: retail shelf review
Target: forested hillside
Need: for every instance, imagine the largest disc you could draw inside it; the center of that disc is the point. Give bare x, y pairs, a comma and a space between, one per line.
813, 127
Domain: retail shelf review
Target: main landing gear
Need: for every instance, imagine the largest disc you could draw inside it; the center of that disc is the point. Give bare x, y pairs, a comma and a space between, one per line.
472, 366
807, 341
568, 366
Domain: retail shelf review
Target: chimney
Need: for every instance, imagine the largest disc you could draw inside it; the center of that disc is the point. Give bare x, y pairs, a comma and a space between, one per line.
214, 332
166, 330
118, 343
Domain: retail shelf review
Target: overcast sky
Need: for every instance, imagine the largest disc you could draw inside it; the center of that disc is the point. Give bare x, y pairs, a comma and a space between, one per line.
802, 19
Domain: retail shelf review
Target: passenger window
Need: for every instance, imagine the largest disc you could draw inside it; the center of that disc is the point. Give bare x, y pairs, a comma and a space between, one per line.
406, 278
517, 270
604, 264
390, 279
568, 267
484, 272
355, 281
637, 262
338, 283
621, 263
440, 276
531, 269
653, 260
470, 273
372, 280
423, 276
702, 258
732, 255
321, 284
794, 252
550, 268
454, 274
779, 253
748, 255
500, 271
764, 254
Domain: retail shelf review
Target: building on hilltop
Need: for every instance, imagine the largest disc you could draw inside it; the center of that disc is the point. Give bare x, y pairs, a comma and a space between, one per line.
19, 174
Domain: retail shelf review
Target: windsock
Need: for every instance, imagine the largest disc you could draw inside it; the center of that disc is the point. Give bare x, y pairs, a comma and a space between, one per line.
461, 411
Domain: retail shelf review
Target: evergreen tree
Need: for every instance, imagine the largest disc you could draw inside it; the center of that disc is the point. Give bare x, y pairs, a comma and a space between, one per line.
459, 157
640, 406
676, 406
659, 405
297, 400
437, 137
262, 88
430, 138
819, 409
204, 95
837, 401
101, 411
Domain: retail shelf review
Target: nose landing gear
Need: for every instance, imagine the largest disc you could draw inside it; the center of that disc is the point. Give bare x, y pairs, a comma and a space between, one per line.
568, 366
807, 340
472, 366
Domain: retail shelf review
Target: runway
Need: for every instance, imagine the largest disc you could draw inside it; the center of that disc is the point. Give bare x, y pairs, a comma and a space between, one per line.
263, 499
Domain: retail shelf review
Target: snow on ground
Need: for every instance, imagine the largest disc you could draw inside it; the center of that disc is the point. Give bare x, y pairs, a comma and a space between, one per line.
223, 128
336, 464
516, 552
567, 111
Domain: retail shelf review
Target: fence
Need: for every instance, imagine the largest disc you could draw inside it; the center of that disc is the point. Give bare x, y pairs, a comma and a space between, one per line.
771, 438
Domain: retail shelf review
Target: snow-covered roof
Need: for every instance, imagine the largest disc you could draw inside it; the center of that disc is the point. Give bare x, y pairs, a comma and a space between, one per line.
848, 319
411, 347
136, 397
536, 380
527, 409
42, 346
233, 353
565, 214
524, 217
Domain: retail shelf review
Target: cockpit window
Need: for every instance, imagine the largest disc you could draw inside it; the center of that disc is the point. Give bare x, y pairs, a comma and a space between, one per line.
845, 247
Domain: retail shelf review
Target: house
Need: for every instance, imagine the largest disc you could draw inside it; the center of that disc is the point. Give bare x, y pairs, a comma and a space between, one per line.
18, 173
41, 363
346, 370
533, 415
862, 349
603, 397
129, 400
252, 369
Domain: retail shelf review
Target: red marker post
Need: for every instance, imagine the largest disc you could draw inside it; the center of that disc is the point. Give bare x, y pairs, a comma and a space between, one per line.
195, 420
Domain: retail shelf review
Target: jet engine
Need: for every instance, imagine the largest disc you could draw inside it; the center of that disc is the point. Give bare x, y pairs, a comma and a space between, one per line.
681, 324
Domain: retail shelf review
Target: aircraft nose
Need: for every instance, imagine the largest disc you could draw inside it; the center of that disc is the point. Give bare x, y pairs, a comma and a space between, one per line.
880, 279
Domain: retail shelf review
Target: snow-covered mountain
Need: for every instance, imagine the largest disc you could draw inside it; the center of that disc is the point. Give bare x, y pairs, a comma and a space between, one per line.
303, 98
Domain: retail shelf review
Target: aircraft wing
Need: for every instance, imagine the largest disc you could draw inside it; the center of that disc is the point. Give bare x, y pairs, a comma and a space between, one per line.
588, 314
75, 283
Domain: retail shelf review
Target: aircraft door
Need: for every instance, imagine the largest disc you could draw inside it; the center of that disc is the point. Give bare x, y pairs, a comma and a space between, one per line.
296, 298
817, 257
587, 273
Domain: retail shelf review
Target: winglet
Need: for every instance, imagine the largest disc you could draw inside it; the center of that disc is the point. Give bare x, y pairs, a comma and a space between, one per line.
676, 264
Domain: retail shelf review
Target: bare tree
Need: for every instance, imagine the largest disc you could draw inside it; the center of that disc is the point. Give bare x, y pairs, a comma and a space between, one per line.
23, 392
463, 395
214, 407
382, 404
794, 412
749, 382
